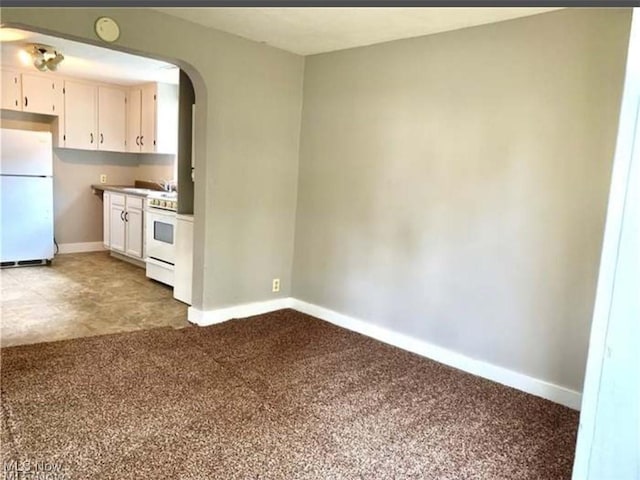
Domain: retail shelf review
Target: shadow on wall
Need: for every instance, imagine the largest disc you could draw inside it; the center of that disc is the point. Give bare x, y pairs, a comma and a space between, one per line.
157, 159
88, 157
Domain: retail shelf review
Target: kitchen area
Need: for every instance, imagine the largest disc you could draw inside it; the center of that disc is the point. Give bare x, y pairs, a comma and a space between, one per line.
97, 191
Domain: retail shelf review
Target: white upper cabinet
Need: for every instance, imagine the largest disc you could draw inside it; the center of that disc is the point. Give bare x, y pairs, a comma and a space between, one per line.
41, 94
133, 119
112, 119
96, 116
80, 121
148, 119
153, 118
11, 90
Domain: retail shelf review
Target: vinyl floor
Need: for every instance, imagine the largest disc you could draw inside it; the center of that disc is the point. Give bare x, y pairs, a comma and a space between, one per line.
81, 295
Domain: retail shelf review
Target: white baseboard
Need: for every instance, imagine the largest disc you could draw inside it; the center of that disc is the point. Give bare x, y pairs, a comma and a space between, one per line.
211, 317
504, 376
534, 386
80, 247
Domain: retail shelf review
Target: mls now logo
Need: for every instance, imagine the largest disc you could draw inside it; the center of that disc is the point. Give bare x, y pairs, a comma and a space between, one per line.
33, 470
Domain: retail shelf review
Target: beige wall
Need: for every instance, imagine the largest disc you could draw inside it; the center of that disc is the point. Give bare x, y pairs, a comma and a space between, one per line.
453, 187
248, 99
77, 211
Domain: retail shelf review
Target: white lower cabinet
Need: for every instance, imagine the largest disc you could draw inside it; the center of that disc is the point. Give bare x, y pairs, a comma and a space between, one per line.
184, 258
133, 221
126, 224
106, 220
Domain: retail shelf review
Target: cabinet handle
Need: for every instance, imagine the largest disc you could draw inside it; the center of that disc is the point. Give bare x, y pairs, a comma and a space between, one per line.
26, 101
126, 216
91, 134
138, 140
141, 143
101, 138
122, 215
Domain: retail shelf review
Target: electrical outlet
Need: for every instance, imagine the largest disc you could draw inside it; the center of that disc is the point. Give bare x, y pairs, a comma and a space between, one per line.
103, 178
275, 285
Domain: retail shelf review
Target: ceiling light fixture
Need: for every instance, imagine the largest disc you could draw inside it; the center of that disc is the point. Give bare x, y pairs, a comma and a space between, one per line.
44, 57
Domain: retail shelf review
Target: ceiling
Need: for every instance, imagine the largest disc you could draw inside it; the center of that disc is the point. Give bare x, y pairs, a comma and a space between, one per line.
311, 30
82, 60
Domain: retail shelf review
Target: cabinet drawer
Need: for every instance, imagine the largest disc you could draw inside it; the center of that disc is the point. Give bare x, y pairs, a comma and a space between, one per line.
134, 202
117, 199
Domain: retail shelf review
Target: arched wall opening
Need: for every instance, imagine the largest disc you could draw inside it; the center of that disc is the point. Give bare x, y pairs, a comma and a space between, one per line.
191, 145
247, 124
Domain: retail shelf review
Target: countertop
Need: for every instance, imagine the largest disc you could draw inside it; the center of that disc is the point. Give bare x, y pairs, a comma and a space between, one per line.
126, 189
188, 217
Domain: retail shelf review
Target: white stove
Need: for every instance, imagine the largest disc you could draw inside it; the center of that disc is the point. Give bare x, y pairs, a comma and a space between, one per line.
163, 201
160, 214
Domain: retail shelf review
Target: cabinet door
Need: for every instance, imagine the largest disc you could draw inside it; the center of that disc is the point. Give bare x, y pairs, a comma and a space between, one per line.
148, 118
134, 232
57, 86
11, 90
167, 103
80, 116
133, 119
39, 94
106, 217
184, 260
112, 109
117, 228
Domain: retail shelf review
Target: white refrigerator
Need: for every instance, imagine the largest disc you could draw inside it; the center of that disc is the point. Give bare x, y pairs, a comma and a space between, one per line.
26, 197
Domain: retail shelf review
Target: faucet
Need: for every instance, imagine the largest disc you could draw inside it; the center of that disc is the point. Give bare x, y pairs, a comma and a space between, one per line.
168, 185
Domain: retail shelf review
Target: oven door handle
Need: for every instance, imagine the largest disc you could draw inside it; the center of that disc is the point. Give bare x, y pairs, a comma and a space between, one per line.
161, 215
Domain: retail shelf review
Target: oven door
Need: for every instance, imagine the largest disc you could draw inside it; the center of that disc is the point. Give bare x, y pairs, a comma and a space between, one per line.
161, 235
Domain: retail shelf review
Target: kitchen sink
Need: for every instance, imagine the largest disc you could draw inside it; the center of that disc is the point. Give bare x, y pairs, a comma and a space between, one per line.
138, 190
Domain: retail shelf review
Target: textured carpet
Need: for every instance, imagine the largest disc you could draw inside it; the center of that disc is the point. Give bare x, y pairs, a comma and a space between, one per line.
277, 396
